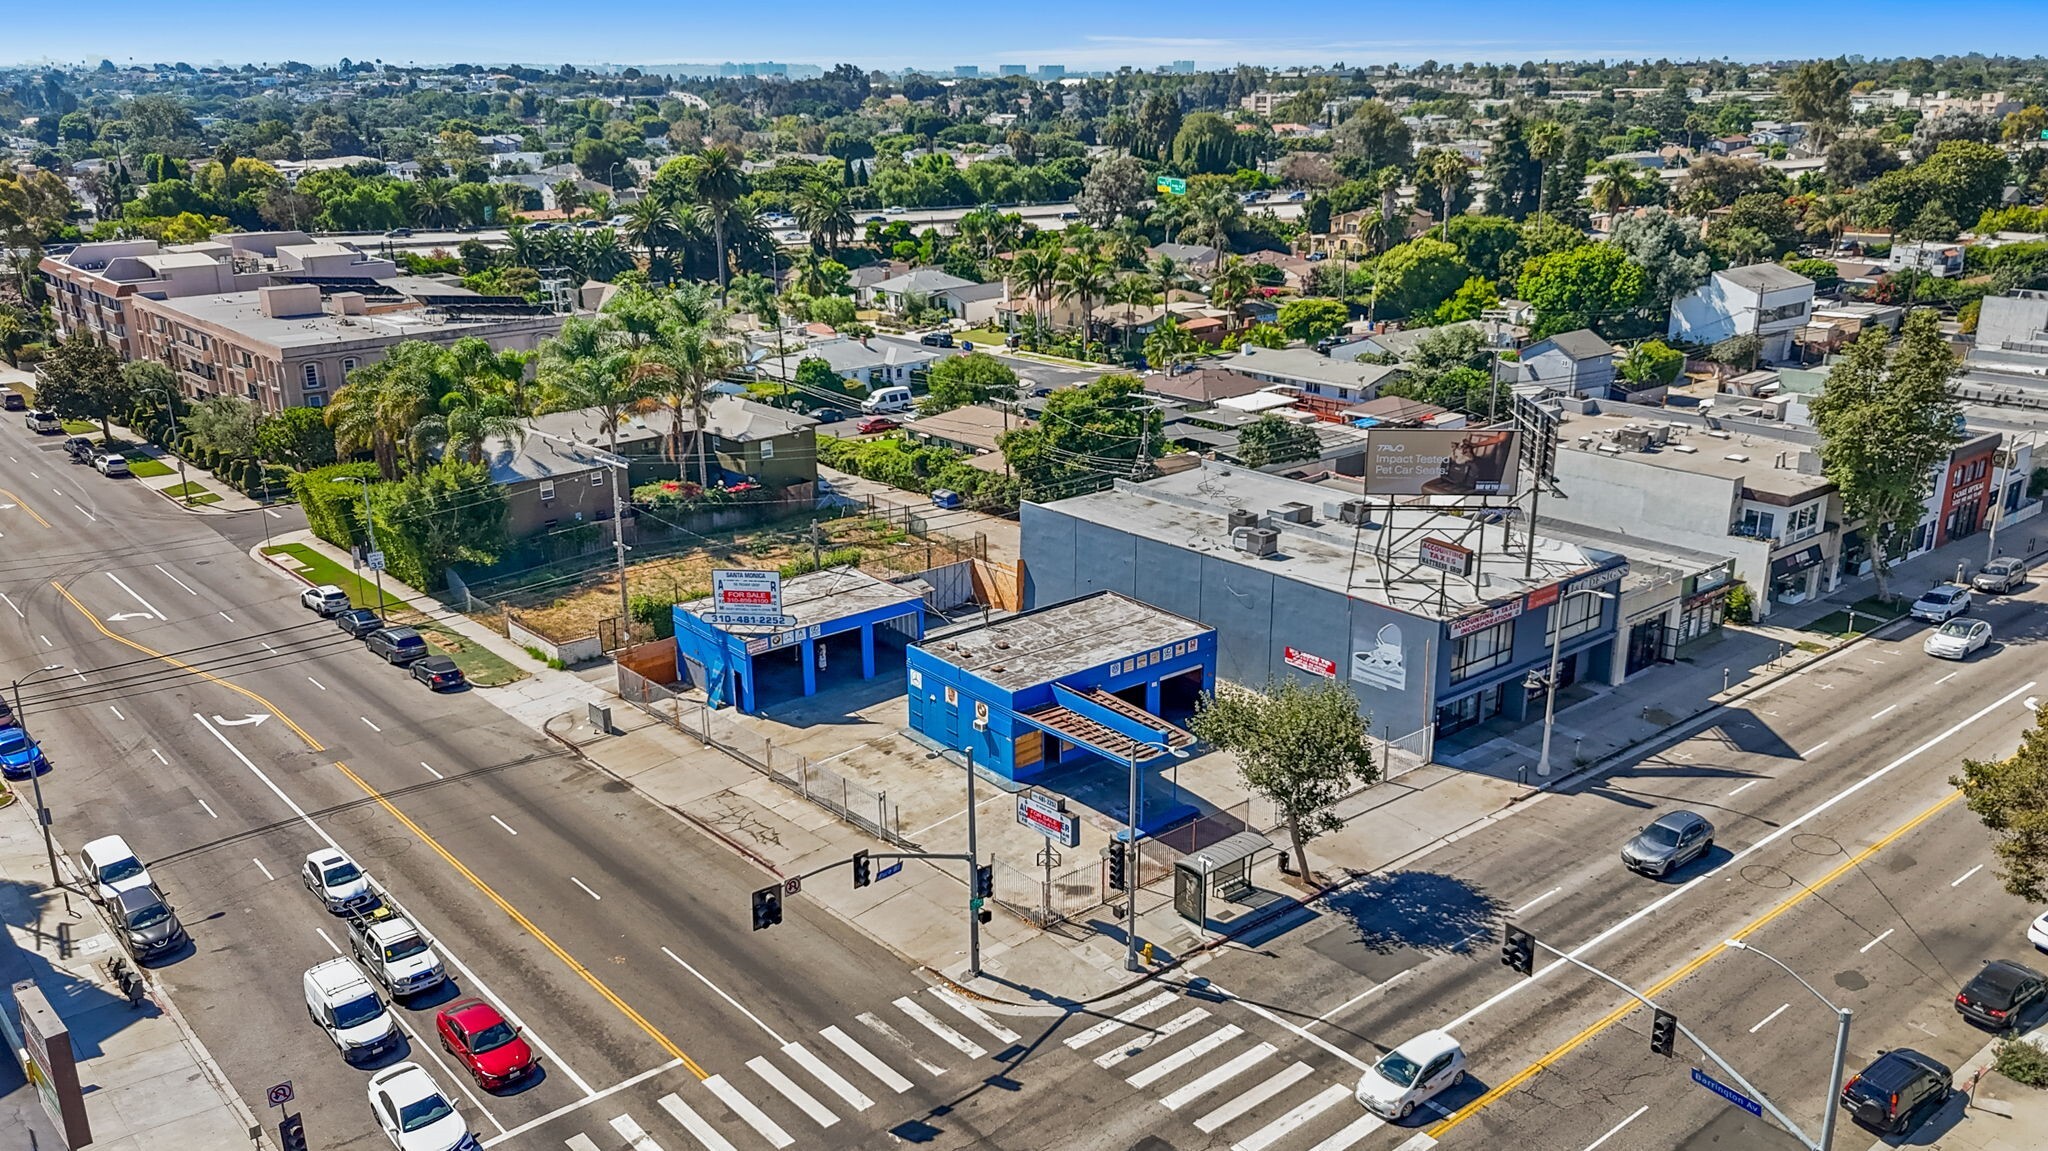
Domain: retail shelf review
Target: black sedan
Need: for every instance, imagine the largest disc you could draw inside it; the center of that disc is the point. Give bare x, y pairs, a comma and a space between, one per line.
2000, 993
439, 673
358, 621
1668, 844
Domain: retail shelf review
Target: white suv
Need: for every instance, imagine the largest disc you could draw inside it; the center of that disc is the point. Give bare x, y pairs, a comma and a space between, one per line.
345, 1005
112, 867
326, 599
1941, 603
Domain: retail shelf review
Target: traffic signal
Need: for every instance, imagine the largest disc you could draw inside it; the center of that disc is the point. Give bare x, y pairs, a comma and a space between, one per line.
863, 871
1663, 1032
291, 1133
1517, 949
985, 881
1114, 853
767, 907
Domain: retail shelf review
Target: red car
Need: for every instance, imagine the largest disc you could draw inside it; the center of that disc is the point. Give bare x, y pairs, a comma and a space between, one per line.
873, 424
476, 1035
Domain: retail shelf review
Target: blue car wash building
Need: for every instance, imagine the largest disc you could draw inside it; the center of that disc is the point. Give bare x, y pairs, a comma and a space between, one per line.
1095, 677
845, 618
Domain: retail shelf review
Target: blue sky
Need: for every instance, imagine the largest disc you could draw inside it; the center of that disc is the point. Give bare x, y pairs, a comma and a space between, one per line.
1082, 34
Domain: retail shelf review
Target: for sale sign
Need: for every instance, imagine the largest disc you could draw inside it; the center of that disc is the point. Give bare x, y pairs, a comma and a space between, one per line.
746, 590
1049, 817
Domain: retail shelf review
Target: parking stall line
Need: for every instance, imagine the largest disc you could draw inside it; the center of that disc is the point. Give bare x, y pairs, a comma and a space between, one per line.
1616, 1129
1765, 1021
1965, 875
321, 932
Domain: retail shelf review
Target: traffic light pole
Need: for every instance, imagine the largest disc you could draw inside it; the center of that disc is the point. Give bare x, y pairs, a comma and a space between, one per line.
980, 887
1748, 1088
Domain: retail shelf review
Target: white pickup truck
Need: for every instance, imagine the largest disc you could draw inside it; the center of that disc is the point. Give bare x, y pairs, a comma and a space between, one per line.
394, 952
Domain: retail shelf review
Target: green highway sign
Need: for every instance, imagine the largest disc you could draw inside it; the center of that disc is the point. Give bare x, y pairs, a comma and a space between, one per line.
1179, 187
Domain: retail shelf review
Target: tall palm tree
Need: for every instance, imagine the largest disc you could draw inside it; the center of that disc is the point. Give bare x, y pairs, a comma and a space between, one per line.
1616, 185
690, 358
1448, 171
568, 196
1233, 284
821, 208
431, 202
1086, 279
1034, 271
754, 294
588, 366
654, 224
719, 182
1546, 141
1133, 291
464, 421
1168, 273
380, 404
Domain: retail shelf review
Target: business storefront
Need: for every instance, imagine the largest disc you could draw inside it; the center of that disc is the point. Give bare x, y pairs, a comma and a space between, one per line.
1795, 575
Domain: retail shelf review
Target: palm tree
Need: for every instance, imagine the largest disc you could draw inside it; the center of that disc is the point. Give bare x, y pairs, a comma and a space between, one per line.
1616, 185
380, 404
754, 293
1546, 140
653, 223
1387, 185
690, 358
1086, 279
1448, 171
821, 209
568, 196
1168, 274
431, 202
1034, 271
587, 366
719, 182
1234, 283
1133, 291
465, 421
809, 275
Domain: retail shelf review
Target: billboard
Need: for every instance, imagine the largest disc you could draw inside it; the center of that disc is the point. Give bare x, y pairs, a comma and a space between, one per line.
1465, 462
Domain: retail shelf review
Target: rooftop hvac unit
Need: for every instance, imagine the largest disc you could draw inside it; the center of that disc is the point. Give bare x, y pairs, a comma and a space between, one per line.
1295, 513
1633, 439
1240, 518
1256, 541
1354, 512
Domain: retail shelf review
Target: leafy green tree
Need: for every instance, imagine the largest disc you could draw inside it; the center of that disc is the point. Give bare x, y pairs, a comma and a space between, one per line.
599, 160
1591, 286
1271, 440
1415, 277
1668, 250
958, 381
1487, 243
1088, 436
1856, 157
1888, 420
1469, 302
229, 425
298, 438
1301, 747
1650, 363
1312, 319
1818, 93
1114, 188
1372, 136
1716, 181
2010, 796
80, 379
446, 514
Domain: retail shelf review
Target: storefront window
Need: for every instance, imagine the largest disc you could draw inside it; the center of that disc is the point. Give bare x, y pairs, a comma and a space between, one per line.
1483, 651
1701, 615
1460, 714
1575, 615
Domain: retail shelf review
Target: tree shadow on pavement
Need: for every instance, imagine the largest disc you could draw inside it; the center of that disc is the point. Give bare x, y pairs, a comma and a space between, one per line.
1416, 910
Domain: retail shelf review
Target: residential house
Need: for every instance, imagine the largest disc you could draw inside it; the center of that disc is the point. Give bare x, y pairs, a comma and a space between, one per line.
973, 429
1197, 260
549, 484
1768, 301
1338, 384
746, 441
1942, 261
1577, 363
872, 364
965, 299
1401, 343
1201, 387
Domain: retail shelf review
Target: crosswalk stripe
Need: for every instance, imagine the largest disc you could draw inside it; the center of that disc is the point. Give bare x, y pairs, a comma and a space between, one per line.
1293, 1074
1358, 1129
693, 1123
745, 1109
1185, 1055
833, 1080
869, 1021
980, 1017
818, 1112
1218, 1077
957, 1041
867, 1059
1420, 1141
580, 1142
1103, 1028
1273, 1132
635, 1138
1148, 1038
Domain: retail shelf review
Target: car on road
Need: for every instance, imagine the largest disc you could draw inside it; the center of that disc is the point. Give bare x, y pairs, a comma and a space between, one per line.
1070, 215
348, 1009
481, 1040
112, 866
876, 220
111, 464
2001, 993
939, 339
1941, 603
13, 401
589, 225
619, 221
358, 621
327, 599
1411, 1075
1297, 196
827, 415
945, 498
2037, 932
1670, 843
399, 645
20, 756
394, 952
330, 874
149, 924
398, 233
895, 209
81, 449
2001, 576
873, 424
1957, 638
1897, 1090
42, 422
414, 1112
439, 673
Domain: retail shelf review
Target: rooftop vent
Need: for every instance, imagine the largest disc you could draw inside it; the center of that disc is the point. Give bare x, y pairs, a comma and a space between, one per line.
1240, 518
1294, 513
1738, 457
1256, 541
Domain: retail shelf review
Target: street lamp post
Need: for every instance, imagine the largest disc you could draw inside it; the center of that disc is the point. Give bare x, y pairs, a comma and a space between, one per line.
1550, 684
1132, 881
973, 863
183, 486
370, 527
35, 774
1842, 1018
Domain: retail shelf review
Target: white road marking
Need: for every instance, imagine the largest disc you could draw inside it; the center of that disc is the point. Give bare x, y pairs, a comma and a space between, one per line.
1787, 828
159, 757
431, 771
1269, 1017
737, 1006
586, 1101
868, 1020
117, 713
1595, 1144
138, 598
209, 810
1375, 989
954, 1039
1745, 787
1103, 1028
869, 1061
263, 869
1265, 1090
311, 680
174, 578
1886, 712
585, 887
976, 1015
580, 1142
1958, 882
267, 647
80, 675
503, 824
635, 1138
272, 514
366, 719
1946, 678
1524, 907
11, 603
691, 1121
320, 931
226, 617
87, 514
745, 1109
44, 638
1217, 1077
1146, 1039
1873, 943
1766, 1019
1185, 1055
1809, 753
1278, 1129
1358, 1129
833, 1080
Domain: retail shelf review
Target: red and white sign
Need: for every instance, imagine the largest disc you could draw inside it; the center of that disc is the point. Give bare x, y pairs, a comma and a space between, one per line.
1445, 556
1309, 662
1543, 596
1048, 816
738, 589
1486, 619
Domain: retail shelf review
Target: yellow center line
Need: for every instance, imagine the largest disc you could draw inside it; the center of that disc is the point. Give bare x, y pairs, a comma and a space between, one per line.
24, 507
461, 869
1697, 962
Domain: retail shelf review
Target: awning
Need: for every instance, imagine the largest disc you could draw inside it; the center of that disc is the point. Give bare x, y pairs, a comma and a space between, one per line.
1104, 724
1797, 562
1224, 852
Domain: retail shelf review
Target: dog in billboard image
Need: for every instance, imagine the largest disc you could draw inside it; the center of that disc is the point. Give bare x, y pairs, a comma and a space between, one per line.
1477, 465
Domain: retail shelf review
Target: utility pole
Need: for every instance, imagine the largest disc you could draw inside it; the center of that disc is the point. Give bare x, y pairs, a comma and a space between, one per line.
578, 450
35, 776
370, 527
184, 487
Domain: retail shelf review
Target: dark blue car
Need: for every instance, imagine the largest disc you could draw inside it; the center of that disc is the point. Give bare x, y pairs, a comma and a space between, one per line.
20, 756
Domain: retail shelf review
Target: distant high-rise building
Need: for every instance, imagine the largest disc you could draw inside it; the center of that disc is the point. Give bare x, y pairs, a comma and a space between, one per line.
1011, 70
966, 71
1052, 71
1182, 67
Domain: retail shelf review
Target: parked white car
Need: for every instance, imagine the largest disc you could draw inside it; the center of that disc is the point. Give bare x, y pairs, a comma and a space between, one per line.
1412, 1074
413, 1111
345, 1005
112, 867
1957, 638
327, 599
1941, 603
336, 879
2037, 933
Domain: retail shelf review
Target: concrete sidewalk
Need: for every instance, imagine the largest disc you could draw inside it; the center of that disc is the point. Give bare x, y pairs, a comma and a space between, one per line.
148, 1080
1988, 1113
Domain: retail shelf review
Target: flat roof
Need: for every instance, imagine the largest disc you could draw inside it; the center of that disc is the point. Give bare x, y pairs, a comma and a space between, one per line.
1190, 509
827, 596
243, 313
1058, 640
1758, 473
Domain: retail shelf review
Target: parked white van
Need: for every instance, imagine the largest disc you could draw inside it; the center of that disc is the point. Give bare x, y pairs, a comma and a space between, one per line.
890, 399
342, 1001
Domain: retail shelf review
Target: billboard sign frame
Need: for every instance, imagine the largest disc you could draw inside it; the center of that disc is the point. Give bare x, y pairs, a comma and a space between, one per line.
1438, 462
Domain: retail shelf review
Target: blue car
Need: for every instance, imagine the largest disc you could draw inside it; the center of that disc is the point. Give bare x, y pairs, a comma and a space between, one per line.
20, 756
